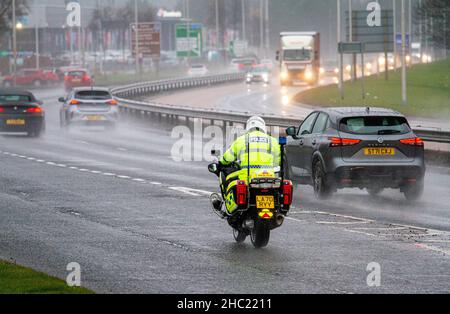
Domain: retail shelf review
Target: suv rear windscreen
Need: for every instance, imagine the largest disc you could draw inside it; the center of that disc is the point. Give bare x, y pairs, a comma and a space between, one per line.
93, 95
374, 125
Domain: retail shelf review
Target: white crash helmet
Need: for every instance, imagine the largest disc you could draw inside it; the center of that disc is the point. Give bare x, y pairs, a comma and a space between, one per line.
256, 122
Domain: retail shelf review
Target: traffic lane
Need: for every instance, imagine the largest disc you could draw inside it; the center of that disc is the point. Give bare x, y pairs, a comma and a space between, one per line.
135, 153
239, 97
142, 152
432, 211
132, 238
146, 154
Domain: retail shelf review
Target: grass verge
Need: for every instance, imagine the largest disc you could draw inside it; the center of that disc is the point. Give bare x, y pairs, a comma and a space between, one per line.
428, 92
16, 279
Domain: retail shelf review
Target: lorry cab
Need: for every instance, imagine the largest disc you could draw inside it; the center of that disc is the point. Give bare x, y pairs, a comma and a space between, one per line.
299, 57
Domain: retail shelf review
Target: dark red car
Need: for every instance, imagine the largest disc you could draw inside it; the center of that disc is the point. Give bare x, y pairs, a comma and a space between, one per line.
31, 77
77, 78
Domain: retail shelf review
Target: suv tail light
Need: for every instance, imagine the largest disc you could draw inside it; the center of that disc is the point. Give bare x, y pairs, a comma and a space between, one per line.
337, 141
2, 109
112, 102
241, 193
416, 141
74, 102
86, 78
288, 191
35, 110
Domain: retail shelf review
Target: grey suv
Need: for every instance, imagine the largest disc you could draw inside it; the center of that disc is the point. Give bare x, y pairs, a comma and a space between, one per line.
366, 148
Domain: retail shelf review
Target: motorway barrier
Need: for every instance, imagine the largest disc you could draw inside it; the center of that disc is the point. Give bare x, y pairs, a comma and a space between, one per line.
228, 117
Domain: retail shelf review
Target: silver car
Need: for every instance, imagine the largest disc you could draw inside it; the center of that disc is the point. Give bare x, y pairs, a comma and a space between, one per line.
89, 106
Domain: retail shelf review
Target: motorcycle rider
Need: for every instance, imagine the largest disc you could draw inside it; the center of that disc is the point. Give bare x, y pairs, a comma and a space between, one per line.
251, 155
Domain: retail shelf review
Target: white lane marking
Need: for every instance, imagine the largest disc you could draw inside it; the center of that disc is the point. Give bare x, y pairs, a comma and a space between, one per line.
433, 248
122, 149
50, 163
123, 177
361, 232
295, 219
139, 180
109, 174
184, 190
208, 193
382, 228
341, 222
334, 215
62, 165
156, 183
96, 172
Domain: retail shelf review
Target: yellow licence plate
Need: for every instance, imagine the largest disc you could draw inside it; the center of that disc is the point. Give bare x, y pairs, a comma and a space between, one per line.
379, 151
94, 118
15, 122
265, 202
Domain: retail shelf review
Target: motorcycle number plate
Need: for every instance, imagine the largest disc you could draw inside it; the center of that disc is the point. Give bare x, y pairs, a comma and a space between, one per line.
265, 202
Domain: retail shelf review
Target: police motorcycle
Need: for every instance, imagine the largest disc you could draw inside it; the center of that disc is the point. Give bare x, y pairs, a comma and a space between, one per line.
262, 204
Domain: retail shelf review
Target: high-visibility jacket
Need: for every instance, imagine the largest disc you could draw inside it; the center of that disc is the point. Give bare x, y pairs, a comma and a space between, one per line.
256, 152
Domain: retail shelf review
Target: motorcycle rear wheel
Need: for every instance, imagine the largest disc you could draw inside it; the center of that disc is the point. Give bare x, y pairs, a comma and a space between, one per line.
260, 234
239, 236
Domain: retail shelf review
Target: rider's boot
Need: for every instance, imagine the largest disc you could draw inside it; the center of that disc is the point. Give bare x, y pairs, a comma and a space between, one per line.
217, 204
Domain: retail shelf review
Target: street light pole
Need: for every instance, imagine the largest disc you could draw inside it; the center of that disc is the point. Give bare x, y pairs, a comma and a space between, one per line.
136, 33
261, 27
410, 29
243, 20
394, 8
350, 16
339, 39
188, 15
36, 28
217, 25
267, 29
14, 41
404, 95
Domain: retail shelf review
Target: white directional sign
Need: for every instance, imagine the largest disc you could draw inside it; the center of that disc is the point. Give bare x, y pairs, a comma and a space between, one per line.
74, 17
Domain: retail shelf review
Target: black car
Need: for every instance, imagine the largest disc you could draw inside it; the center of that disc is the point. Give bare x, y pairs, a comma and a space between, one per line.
21, 112
366, 148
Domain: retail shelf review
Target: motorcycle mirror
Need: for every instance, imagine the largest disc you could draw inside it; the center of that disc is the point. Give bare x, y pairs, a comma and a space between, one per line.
213, 168
216, 152
61, 99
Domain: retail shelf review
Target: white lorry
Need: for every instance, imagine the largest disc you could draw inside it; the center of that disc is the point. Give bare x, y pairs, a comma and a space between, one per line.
299, 57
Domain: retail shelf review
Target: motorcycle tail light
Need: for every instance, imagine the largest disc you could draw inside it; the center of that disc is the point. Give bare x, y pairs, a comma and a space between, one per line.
288, 191
241, 193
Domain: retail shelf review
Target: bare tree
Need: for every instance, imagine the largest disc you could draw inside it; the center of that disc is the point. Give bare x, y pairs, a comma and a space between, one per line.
6, 13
